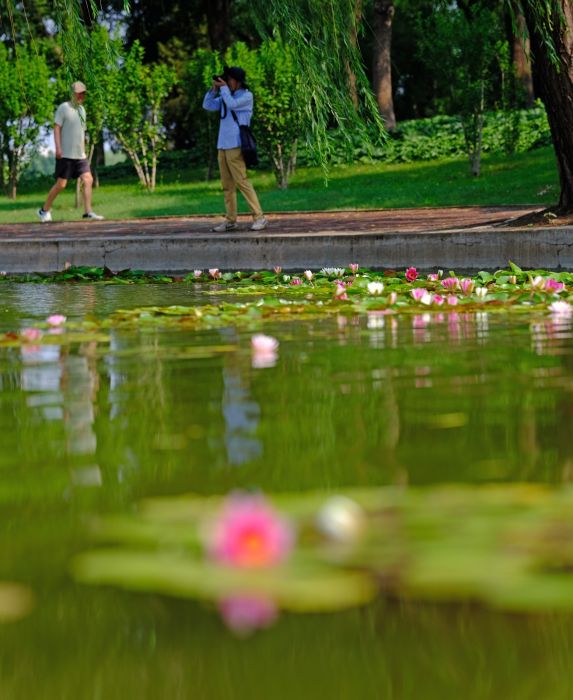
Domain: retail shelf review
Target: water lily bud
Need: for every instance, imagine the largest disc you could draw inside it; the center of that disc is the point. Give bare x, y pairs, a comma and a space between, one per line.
341, 519
512, 279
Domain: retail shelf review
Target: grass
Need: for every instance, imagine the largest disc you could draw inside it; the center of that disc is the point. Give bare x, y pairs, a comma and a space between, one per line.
524, 178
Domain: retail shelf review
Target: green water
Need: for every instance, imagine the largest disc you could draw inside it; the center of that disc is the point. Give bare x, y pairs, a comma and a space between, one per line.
349, 402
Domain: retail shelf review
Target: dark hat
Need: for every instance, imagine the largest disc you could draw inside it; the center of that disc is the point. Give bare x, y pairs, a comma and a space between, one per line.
236, 73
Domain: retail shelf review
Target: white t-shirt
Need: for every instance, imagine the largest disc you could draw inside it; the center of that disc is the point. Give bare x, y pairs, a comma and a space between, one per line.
73, 122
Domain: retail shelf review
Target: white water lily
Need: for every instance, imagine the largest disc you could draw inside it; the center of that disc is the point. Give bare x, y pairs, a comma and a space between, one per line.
427, 299
375, 288
480, 292
333, 271
308, 274
538, 282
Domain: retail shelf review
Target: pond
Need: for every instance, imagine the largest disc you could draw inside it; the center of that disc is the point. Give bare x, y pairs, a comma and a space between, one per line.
363, 401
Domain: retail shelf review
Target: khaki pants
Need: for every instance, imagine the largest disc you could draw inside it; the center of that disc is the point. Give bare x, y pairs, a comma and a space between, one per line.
233, 177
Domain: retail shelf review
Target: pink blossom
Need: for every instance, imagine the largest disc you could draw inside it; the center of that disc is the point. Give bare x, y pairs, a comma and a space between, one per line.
418, 292
433, 277
340, 291
249, 533
197, 273
295, 281
561, 309
31, 334
552, 285
438, 299
277, 269
411, 274
264, 343
452, 301
56, 320
451, 283
467, 285
244, 614
214, 273
354, 267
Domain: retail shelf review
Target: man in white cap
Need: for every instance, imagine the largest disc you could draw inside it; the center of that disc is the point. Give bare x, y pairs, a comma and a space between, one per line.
71, 161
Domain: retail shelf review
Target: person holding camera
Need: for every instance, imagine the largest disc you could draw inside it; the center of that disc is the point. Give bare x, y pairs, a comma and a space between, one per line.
230, 96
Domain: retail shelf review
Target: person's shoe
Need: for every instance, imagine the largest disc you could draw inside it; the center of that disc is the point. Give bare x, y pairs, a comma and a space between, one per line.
93, 216
225, 226
259, 225
45, 216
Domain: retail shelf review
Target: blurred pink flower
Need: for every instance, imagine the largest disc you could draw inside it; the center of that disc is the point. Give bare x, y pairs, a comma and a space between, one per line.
411, 274
452, 301
467, 285
354, 267
249, 533
451, 283
244, 614
438, 299
277, 269
31, 334
552, 285
418, 293
264, 343
295, 281
214, 273
197, 273
56, 320
433, 277
340, 291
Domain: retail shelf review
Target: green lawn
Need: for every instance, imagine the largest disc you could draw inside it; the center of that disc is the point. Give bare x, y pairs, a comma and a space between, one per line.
525, 178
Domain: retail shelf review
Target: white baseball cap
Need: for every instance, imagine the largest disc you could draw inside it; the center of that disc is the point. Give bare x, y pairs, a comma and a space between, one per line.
78, 87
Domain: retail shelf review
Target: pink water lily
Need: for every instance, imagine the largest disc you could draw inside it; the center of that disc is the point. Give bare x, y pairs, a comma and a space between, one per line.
418, 292
264, 343
554, 286
452, 300
197, 273
244, 614
433, 277
561, 309
295, 281
439, 300
354, 267
451, 283
340, 291
56, 320
214, 273
31, 334
249, 533
467, 286
411, 274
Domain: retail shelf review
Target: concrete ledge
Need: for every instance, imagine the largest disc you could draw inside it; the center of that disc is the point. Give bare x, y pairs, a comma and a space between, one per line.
462, 249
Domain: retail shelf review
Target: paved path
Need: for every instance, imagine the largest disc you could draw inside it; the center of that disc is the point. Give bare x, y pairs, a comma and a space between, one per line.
457, 237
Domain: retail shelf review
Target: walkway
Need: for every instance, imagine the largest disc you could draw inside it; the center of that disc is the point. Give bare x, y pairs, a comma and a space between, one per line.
462, 238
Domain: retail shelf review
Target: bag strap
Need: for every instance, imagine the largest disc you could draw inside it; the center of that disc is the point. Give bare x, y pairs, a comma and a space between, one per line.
235, 118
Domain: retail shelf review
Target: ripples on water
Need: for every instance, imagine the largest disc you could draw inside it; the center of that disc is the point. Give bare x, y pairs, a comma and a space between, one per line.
352, 401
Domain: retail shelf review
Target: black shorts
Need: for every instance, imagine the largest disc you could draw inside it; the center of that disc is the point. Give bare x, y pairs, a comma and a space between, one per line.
71, 168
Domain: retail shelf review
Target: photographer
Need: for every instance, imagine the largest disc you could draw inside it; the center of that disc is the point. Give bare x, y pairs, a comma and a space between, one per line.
229, 94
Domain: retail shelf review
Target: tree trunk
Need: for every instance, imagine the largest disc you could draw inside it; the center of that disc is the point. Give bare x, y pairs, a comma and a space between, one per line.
354, 41
381, 61
218, 23
556, 90
521, 58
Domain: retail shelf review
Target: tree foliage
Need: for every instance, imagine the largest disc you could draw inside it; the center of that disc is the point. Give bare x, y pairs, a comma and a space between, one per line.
136, 95
26, 101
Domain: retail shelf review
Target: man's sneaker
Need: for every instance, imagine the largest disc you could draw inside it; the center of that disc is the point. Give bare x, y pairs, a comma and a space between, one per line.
259, 225
93, 216
45, 216
225, 226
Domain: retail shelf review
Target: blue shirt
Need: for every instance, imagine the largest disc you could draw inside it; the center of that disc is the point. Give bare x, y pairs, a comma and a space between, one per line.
241, 102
